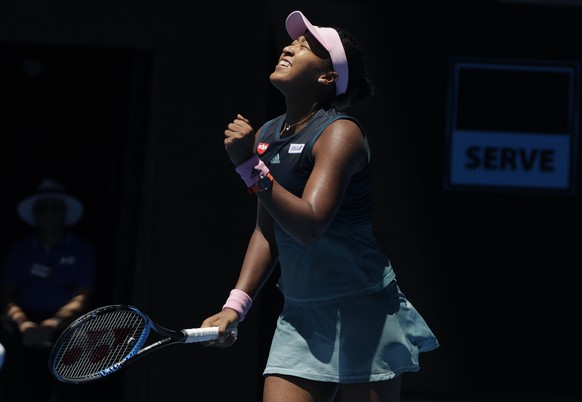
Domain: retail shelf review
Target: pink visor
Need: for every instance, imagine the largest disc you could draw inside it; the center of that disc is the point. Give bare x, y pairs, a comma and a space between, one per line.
297, 24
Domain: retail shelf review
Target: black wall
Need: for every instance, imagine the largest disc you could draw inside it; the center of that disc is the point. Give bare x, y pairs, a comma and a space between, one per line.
128, 110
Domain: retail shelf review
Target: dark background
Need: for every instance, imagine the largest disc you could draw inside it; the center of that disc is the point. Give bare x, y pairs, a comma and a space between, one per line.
125, 103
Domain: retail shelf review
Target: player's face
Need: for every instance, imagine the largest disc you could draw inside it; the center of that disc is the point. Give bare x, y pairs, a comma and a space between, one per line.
300, 65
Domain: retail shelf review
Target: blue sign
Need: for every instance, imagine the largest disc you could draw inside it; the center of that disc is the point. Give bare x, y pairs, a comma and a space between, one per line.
512, 126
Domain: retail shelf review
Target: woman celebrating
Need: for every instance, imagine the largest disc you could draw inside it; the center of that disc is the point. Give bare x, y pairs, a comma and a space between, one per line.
345, 328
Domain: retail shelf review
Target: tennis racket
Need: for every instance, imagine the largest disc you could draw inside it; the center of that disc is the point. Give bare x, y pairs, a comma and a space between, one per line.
102, 341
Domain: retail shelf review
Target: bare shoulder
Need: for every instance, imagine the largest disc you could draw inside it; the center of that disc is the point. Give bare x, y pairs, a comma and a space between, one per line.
346, 124
342, 140
343, 131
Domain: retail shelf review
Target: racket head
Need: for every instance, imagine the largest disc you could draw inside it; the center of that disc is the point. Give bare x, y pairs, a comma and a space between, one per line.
99, 343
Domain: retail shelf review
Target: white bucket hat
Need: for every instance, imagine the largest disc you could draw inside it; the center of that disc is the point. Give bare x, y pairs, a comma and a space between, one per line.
50, 189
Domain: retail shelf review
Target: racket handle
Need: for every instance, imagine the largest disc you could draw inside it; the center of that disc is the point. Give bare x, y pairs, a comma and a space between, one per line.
200, 334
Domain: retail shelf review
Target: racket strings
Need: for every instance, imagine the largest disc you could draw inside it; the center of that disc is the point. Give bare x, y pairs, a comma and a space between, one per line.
100, 343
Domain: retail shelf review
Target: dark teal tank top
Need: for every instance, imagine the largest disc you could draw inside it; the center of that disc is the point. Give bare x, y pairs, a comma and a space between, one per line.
347, 261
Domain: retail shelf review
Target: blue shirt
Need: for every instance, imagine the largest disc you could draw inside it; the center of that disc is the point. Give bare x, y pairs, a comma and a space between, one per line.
45, 280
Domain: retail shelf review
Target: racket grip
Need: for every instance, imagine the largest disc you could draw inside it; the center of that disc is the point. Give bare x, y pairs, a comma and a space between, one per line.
200, 334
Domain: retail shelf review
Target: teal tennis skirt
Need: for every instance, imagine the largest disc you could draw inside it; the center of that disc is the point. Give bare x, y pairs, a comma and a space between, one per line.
372, 338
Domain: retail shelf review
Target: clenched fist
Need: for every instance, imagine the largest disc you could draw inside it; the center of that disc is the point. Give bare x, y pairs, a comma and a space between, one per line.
239, 140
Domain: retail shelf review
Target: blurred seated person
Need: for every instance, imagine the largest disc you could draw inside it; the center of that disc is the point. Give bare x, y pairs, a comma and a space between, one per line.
2, 352
46, 283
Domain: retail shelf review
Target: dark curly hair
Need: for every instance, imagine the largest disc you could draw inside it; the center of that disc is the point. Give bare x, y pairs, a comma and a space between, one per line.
360, 86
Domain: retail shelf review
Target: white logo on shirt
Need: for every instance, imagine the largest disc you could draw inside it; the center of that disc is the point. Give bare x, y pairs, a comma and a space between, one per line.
296, 148
70, 260
275, 160
40, 270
